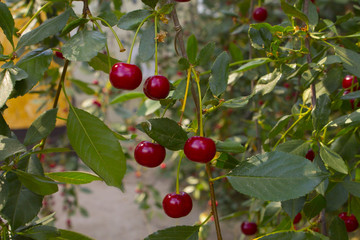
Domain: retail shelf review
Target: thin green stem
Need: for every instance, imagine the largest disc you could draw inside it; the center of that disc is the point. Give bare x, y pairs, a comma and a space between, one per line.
156, 44
206, 220
218, 178
197, 80
178, 175
122, 49
186, 94
136, 33
33, 17
291, 127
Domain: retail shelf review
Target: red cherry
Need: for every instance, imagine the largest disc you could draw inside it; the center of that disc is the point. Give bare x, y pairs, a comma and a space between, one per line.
52, 165
249, 228
163, 165
286, 85
96, 103
349, 81
200, 149
157, 87
59, 54
125, 76
313, 1
351, 222
95, 82
177, 205
259, 14
182, 0
310, 155
297, 218
149, 154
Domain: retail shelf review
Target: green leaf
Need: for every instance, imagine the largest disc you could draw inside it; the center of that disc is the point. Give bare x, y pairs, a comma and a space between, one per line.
337, 230
147, 43
293, 206
127, 96
297, 147
219, 74
351, 95
176, 233
4, 193
73, 24
83, 86
226, 161
101, 62
9, 147
352, 187
263, 176
183, 64
166, 132
332, 159
70, 235
336, 196
268, 82
252, 64
150, 3
260, 38
293, 12
313, 16
192, 48
229, 146
34, 63
97, 146
289, 235
148, 107
132, 20
4, 128
350, 120
7, 22
349, 58
238, 102
84, 46
22, 204
6, 86
321, 112
41, 127
37, 184
73, 177
355, 206
48, 28
314, 207
235, 52
167, 9
206, 53
279, 126
41, 232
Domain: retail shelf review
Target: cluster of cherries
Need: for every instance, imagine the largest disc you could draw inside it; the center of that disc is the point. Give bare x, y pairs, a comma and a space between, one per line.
148, 154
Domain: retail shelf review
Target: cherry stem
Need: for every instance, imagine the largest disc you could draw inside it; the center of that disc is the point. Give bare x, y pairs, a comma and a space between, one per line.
218, 178
156, 44
197, 80
186, 94
121, 46
33, 17
178, 174
136, 33
206, 220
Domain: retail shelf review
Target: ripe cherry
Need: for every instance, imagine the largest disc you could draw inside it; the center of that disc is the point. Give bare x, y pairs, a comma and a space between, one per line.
310, 155
297, 218
149, 154
351, 222
349, 82
97, 103
177, 205
200, 149
59, 54
125, 76
259, 14
157, 87
249, 228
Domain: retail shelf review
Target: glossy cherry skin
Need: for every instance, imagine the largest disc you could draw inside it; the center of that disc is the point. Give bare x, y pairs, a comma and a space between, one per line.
297, 218
351, 222
349, 82
177, 205
125, 76
59, 55
157, 87
149, 154
200, 149
260, 14
310, 155
249, 228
